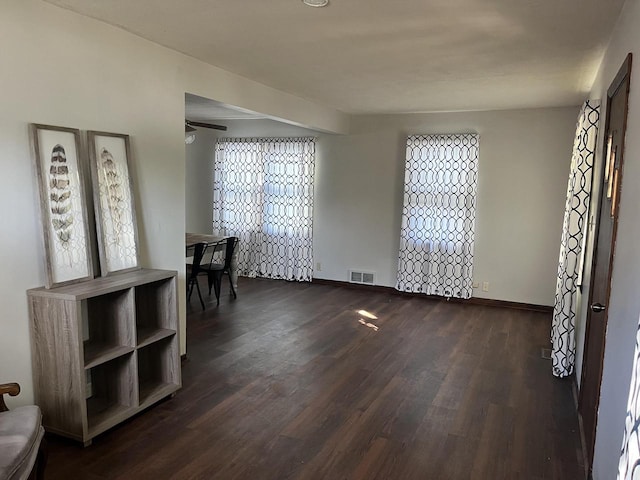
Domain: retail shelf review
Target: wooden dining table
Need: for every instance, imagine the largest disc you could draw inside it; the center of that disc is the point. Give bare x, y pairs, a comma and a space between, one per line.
192, 238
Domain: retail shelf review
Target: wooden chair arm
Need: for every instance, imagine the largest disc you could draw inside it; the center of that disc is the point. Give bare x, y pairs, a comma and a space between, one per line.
11, 389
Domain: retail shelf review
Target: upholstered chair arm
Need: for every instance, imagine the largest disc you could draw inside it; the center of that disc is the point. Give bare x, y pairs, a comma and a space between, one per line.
12, 389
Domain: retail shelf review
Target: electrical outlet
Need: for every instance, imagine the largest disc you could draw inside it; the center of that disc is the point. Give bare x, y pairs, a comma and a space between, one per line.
485, 286
318, 267
476, 285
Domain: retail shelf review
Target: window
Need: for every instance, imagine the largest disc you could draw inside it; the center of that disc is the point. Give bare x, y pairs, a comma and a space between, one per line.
438, 218
263, 194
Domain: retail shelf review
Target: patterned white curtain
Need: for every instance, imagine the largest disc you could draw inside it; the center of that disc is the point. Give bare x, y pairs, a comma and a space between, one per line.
629, 466
438, 217
263, 194
572, 243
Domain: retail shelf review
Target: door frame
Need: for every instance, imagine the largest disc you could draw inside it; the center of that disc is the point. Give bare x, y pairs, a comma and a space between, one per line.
623, 74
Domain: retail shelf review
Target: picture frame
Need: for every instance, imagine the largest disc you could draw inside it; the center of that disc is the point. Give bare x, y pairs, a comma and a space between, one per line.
57, 158
116, 225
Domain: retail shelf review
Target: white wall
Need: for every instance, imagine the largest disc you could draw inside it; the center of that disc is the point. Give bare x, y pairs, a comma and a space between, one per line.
265, 128
63, 69
199, 181
624, 304
524, 164
523, 170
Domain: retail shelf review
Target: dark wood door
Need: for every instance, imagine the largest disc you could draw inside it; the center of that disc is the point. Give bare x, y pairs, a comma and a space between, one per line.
605, 235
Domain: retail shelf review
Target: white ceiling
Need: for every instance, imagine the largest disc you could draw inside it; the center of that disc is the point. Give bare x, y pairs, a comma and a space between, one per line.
374, 56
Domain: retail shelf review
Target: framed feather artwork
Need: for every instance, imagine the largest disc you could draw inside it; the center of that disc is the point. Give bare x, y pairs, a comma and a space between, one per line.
109, 155
63, 210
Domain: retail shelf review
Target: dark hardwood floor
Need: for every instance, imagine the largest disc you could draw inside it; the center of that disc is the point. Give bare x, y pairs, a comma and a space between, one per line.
287, 382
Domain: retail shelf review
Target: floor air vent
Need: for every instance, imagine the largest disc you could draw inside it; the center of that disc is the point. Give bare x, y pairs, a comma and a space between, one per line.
546, 353
366, 278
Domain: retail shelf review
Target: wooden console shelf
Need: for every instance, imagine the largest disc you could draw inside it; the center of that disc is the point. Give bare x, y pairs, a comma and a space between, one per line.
103, 350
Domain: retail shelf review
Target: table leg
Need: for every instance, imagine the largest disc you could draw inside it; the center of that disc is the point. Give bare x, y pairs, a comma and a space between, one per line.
233, 274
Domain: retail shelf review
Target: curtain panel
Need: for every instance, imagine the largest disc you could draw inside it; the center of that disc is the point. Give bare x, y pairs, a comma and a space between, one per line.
263, 194
572, 241
629, 465
438, 216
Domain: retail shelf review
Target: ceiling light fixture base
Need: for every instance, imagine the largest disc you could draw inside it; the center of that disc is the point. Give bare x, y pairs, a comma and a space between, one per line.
316, 3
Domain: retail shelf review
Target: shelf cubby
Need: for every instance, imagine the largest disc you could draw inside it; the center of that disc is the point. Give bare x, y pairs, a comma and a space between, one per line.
155, 311
113, 393
158, 370
107, 327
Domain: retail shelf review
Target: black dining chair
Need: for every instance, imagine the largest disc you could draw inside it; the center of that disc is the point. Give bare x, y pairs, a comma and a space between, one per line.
195, 269
215, 271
